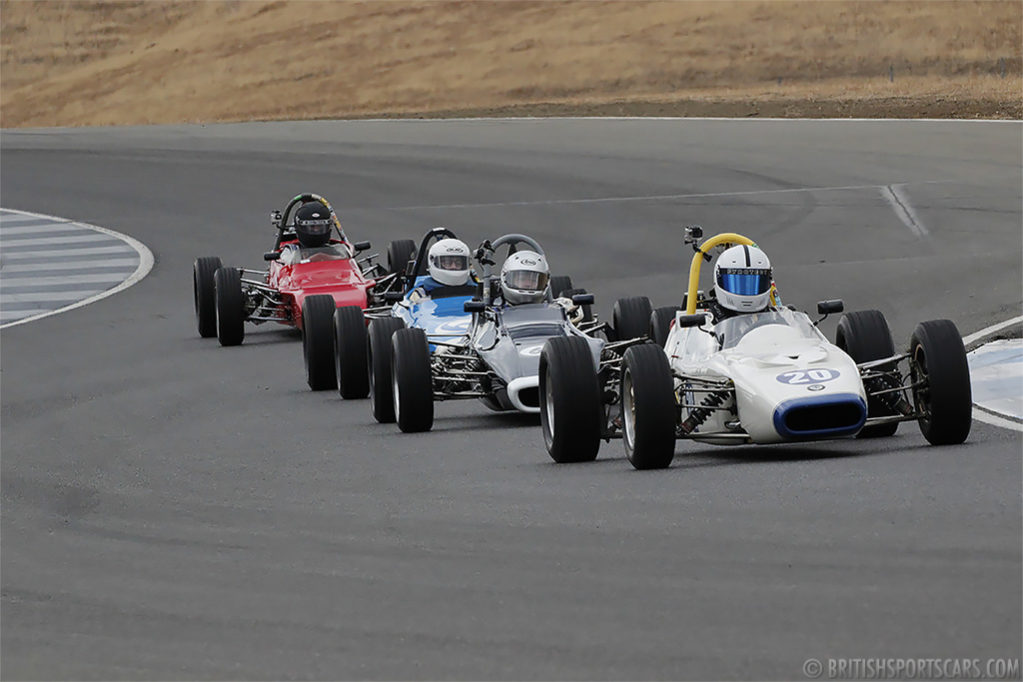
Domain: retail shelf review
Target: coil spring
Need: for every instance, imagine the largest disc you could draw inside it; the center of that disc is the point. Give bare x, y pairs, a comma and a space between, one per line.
700, 414
893, 401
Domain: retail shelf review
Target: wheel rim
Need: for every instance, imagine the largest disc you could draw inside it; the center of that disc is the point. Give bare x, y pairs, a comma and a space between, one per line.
628, 411
549, 405
395, 396
922, 393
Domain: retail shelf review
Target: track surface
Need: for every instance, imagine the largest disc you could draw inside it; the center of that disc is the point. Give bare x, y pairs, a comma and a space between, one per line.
174, 509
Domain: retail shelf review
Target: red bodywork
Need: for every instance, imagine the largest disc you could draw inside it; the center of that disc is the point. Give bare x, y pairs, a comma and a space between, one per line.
340, 278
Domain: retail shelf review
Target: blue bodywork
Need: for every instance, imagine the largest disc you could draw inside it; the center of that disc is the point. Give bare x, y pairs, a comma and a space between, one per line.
442, 318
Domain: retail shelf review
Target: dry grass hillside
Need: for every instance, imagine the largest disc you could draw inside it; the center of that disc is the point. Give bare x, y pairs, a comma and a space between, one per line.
71, 62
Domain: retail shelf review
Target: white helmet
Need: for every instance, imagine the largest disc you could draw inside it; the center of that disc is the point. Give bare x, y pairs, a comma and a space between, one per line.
742, 279
448, 262
524, 277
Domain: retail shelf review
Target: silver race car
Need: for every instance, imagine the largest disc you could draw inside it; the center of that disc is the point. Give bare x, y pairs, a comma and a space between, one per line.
494, 361
758, 378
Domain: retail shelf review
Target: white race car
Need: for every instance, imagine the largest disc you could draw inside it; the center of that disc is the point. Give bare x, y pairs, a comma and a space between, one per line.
767, 377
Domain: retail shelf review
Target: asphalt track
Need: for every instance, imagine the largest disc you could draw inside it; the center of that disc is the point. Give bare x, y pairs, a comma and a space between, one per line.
172, 509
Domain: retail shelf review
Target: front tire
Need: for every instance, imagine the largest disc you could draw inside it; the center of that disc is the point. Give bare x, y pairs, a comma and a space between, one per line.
412, 381
938, 359
648, 408
318, 342
230, 306
381, 394
630, 317
204, 291
351, 352
864, 335
570, 409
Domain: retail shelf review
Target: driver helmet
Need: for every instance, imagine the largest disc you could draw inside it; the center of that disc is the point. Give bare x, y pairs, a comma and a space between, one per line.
312, 224
743, 279
524, 278
448, 262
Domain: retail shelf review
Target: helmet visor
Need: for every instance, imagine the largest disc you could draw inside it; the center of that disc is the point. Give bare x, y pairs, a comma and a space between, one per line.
744, 281
314, 227
450, 262
526, 280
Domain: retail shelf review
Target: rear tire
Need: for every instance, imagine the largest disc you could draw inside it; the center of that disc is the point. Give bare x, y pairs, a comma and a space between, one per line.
381, 395
649, 411
946, 400
660, 323
559, 284
412, 380
399, 253
864, 335
318, 342
351, 352
204, 291
630, 317
570, 409
230, 306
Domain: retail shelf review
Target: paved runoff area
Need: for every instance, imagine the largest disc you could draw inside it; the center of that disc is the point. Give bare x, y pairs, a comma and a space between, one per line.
47, 264
996, 371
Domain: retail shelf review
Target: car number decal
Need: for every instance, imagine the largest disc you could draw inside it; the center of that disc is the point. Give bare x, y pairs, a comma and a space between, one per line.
531, 350
808, 376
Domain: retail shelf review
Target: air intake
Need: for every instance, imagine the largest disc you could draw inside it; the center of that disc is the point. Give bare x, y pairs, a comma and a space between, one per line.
820, 416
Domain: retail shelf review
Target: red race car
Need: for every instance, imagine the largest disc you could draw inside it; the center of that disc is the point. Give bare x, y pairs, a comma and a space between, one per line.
313, 270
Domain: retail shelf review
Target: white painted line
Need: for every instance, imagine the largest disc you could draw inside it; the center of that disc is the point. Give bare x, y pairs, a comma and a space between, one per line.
651, 197
46, 254
894, 195
74, 265
6, 316
993, 329
69, 295
144, 266
49, 228
22, 280
514, 119
40, 241
981, 416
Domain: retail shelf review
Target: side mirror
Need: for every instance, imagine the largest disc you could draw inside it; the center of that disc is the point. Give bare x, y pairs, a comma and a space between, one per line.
271, 255
695, 320
361, 246
474, 306
832, 306
275, 218
582, 299
393, 296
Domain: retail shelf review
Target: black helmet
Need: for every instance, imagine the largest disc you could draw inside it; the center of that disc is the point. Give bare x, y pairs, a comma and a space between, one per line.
312, 224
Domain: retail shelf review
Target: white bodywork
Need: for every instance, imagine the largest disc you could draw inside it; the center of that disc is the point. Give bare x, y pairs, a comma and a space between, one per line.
790, 383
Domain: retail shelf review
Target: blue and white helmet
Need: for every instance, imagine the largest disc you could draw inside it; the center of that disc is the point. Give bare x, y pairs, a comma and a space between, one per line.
742, 279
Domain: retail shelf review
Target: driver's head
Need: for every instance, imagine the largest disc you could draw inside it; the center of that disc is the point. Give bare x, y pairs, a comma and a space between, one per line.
312, 224
524, 278
448, 262
742, 279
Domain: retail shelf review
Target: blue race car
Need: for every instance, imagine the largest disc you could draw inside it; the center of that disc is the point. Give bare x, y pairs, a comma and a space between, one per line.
421, 301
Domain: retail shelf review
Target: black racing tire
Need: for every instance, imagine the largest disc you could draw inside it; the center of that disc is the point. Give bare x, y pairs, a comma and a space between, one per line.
412, 380
660, 323
649, 410
864, 336
204, 291
381, 396
559, 284
399, 253
938, 359
570, 408
318, 342
230, 306
630, 317
587, 309
351, 352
